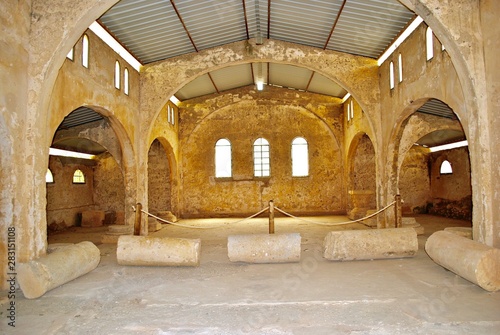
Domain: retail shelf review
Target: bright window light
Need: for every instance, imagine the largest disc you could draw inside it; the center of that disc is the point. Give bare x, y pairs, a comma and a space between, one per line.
300, 157
449, 146
78, 177
261, 158
346, 96
71, 53
391, 75
117, 74
400, 67
113, 44
445, 168
67, 153
429, 43
85, 51
125, 81
260, 85
174, 99
223, 158
49, 177
404, 35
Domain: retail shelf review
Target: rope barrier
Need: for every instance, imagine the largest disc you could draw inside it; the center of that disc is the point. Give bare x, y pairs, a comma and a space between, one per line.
201, 227
279, 210
335, 223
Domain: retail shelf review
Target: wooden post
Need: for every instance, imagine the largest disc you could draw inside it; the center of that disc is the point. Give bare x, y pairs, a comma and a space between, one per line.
398, 216
271, 217
137, 223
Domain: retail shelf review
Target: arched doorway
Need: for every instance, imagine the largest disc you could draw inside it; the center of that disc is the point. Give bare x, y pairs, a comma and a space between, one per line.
88, 190
159, 179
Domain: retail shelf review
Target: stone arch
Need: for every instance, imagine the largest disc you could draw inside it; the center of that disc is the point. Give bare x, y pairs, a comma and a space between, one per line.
169, 195
361, 176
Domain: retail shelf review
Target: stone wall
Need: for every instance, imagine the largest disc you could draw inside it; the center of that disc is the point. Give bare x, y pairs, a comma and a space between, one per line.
159, 186
414, 181
242, 116
451, 193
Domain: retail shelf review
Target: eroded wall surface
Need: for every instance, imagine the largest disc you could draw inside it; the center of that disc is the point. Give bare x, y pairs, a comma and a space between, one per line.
279, 116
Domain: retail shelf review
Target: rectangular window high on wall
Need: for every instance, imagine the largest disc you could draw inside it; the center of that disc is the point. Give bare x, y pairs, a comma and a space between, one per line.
125, 81
261, 158
223, 161
85, 51
117, 75
300, 157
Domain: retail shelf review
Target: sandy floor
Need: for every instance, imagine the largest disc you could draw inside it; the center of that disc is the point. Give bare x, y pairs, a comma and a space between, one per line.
315, 296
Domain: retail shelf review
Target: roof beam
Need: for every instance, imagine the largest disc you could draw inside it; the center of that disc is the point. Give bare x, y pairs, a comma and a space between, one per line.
268, 19
246, 18
213, 82
183, 24
309, 82
334, 24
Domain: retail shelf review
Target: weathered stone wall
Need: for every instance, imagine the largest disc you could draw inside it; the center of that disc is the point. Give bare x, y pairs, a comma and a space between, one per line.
109, 190
65, 200
451, 193
242, 116
414, 181
363, 175
159, 186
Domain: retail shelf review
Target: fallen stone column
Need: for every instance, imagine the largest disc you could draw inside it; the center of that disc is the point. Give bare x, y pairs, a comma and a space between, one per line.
469, 259
62, 265
264, 248
158, 251
348, 245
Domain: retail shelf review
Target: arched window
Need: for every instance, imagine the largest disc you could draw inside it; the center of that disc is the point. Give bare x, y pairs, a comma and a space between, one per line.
400, 67
223, 165
117, 75
85, 51
391, 75
125, 81
71, 54
300, 157
445, 168
429, 43
49, 177
261, 158
78, 177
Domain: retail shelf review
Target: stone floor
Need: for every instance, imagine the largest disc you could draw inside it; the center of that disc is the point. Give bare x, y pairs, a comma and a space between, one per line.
315, 296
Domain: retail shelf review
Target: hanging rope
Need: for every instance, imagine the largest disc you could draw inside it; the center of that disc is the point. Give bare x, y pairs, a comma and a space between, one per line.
201, 227
335, 223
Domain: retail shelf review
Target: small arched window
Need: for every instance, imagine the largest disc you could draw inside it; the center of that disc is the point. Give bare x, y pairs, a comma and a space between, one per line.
85, 51
400, 67
78, 177
223, 161
49, 177
445, 168
261, 158
429, 43
391, 75
117, 75
125, 81
300, 157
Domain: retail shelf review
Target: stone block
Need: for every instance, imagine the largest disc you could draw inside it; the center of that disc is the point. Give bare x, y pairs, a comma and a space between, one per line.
156, 251
410, 222
167, 215
153, 225
474, 261
347, 245
264, 248
62, 265
120, 218
461, 231
93, 218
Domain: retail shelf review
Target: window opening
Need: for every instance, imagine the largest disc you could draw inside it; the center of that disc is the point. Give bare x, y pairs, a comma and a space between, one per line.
400, 67
71, 53
351, 103
117, 75
261, 158
85, 51
300, 157
125, 81
78, 177
49, 177
391, 75
429, 40
445, 168
223, 161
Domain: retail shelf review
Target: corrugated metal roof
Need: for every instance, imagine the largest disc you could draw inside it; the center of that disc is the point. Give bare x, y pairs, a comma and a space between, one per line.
79, 116
154, 30
437, 108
